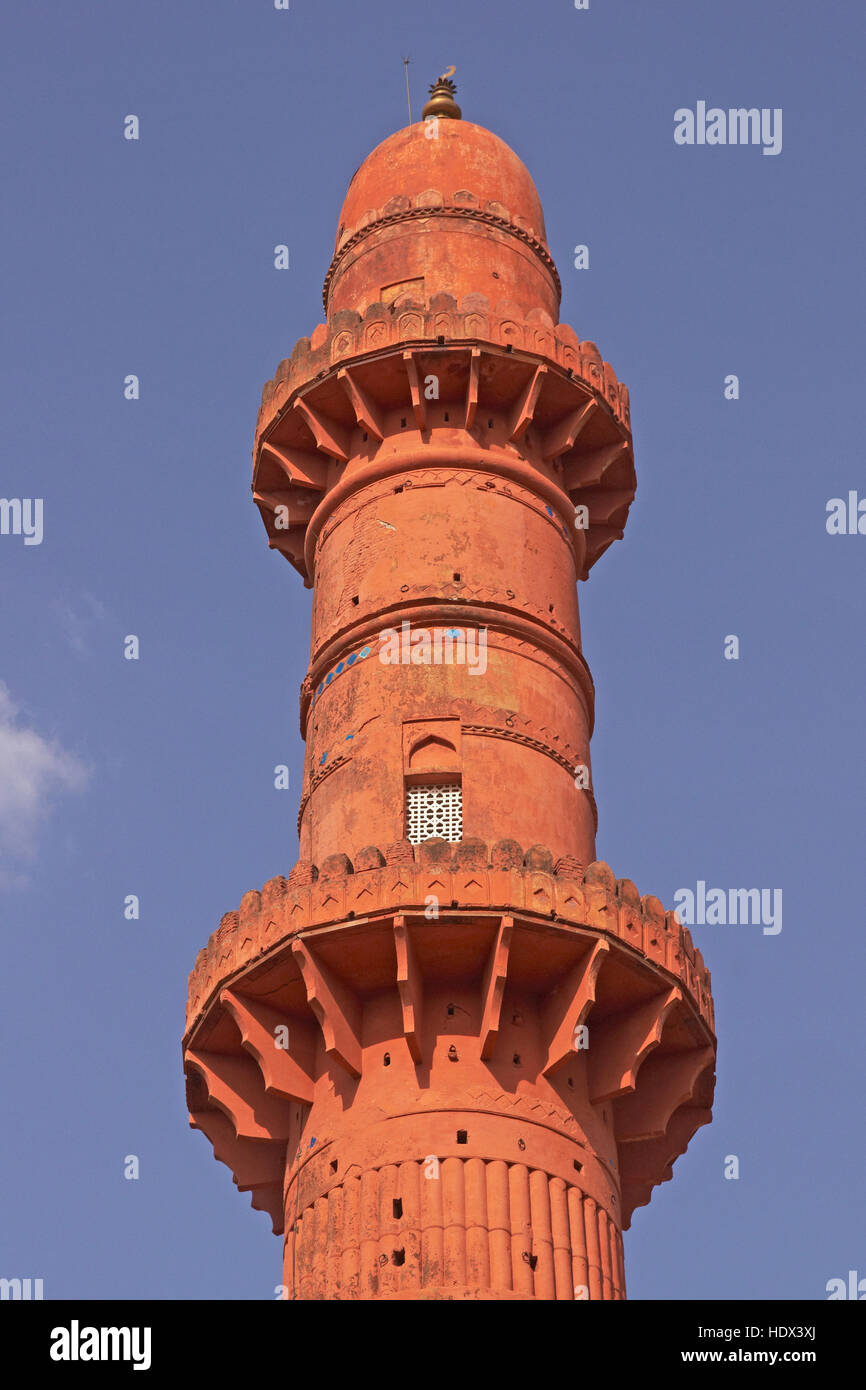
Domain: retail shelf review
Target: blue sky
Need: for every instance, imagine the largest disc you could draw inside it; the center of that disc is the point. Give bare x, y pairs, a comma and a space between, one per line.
155, 777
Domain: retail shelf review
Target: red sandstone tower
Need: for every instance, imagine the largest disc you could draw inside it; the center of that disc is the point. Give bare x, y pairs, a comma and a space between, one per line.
451, 1053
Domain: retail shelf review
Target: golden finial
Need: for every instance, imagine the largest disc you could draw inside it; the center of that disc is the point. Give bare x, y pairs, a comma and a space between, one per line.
442, 101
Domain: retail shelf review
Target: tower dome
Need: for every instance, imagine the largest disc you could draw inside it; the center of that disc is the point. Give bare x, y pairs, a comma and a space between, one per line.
479, 198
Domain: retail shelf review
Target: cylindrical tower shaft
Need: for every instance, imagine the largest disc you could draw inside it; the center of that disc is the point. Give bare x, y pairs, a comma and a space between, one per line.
451, 1053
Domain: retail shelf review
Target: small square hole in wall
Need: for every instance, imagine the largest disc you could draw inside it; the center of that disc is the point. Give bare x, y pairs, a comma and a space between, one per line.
578, 1167
397, 1208
516, 1059
434, 811
355, 600
462, 1136
333, 1165
450, 1011
398, 1257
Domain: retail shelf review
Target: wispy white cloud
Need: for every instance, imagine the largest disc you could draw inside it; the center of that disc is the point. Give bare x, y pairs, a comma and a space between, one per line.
78, 618
34, 771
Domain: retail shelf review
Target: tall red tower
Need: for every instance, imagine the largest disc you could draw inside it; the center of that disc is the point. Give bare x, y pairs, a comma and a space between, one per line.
451, 1052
